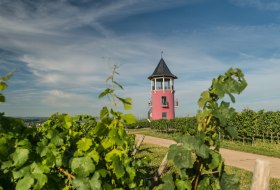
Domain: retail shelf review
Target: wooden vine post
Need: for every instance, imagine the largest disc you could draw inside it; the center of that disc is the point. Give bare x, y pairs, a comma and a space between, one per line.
162, 165
138, 144
261, 175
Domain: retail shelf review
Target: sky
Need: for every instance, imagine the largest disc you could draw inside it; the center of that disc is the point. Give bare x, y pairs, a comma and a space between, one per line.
62, 51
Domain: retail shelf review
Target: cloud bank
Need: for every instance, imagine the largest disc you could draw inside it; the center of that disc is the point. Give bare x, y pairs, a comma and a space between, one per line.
63, 53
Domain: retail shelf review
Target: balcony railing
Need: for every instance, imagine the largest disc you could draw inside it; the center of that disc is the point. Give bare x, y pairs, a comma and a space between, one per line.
164, 104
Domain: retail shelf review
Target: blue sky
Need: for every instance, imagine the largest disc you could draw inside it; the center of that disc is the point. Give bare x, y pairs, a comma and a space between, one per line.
64, 50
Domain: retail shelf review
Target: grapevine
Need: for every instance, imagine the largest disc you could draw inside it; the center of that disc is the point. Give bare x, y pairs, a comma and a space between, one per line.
67, 152
197, 161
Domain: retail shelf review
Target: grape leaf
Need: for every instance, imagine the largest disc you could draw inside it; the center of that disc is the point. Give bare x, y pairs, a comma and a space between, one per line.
3, 86
129, 118
20, 156
229, 182
117, 166
95, 183
25, 183
180, 156
182, 185
84, 144
82, 166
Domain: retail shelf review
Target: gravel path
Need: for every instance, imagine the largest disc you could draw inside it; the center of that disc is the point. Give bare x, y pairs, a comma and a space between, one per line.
232, 158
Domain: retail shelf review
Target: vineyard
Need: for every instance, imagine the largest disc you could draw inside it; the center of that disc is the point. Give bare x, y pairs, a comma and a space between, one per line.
83, 153
250, 125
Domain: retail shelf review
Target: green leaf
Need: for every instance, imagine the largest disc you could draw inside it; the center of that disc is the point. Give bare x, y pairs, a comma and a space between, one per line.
224, 112
3, 86
202, 151
7, 77
229, 182
204, 184
181, 156
23, 143
101, 129
82, 166
107, 143
218, 87
232, 98
168, 183
94, 155
20, 156
118, 84
41, 180
131, 172
95, 182
195, 144
25, 183
109, 78
68, 121
6, 165
84, 144
127, 102
182, 185
105, 92
104, 112
115, 152
57, 140
102, 172
232, 131
37, 168
2, 98
21, 173
117, 166
204, 98
216, 160
81, 184
129, 118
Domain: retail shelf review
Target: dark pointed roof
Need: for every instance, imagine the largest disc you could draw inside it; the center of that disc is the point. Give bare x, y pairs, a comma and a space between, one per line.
162, 71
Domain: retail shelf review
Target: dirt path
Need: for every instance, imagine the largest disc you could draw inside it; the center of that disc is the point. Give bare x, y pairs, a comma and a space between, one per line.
232, 158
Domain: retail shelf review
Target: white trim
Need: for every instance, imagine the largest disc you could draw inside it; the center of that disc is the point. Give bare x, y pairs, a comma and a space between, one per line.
163, 84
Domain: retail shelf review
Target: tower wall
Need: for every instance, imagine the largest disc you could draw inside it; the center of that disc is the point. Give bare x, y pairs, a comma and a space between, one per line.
159, 107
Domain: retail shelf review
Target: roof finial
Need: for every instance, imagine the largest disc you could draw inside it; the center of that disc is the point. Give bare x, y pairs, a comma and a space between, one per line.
161, 53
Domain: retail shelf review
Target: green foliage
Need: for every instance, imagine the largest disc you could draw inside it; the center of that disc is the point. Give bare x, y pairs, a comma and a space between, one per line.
3, 85
253, 125
68, 152
184, 125
198, 163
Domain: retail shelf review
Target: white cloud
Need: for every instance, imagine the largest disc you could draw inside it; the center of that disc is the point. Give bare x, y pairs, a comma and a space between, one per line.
58, 98
70, 67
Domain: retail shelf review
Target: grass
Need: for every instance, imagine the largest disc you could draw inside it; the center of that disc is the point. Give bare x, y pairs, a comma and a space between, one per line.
153, 133
245, 178
157, 153
262, 148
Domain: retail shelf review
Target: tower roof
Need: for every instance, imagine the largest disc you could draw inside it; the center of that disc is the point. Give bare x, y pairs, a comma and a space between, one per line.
162, 71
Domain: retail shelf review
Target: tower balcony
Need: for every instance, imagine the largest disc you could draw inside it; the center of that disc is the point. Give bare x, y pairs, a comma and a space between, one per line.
165, 105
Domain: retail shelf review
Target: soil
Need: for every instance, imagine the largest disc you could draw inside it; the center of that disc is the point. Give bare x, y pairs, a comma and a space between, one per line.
238, 159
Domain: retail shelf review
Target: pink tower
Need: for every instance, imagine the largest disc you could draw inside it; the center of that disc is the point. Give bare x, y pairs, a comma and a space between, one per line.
162, 88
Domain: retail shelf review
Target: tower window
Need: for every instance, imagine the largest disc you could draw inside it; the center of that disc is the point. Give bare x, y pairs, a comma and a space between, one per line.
159, 84
164, 102
167, 84
153, 85
164, 115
